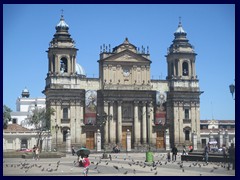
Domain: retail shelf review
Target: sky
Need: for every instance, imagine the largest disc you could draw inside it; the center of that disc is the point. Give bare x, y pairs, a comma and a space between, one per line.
28, 29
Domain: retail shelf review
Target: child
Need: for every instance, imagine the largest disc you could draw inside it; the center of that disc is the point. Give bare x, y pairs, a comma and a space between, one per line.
86, 164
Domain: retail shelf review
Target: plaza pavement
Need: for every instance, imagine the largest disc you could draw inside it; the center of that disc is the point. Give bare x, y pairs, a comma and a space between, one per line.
122, 164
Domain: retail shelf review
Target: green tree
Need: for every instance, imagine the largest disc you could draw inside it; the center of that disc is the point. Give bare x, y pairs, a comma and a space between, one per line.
6, 116
40, 119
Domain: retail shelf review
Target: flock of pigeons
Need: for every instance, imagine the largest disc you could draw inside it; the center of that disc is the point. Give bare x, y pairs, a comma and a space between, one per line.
117, 165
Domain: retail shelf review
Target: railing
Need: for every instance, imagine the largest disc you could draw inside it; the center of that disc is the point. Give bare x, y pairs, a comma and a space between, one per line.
186, 120
65, 121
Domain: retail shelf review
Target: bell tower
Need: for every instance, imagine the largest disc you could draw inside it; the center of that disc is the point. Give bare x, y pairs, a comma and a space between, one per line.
63, 90
183, 98
62, 52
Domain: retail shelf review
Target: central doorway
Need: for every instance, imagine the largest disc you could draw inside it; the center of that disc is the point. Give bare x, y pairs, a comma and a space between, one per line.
90, 140
124, 135
160, 139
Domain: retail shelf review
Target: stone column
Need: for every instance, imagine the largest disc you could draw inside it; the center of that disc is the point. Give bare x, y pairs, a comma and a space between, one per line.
128, 140
144, 123
98, 140
226, 138
211, 136
220, 137
167, 140
111, 124
106, 123
119, 124
68, 141
194, 140
136, 129
150, 119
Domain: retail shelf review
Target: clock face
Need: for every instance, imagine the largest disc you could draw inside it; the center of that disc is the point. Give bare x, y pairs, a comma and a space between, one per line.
126, 72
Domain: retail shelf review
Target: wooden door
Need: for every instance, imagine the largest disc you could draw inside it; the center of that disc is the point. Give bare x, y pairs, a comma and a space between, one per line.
90, 140
160, 139
124, 135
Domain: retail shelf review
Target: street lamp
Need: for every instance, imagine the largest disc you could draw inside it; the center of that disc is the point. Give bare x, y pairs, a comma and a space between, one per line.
56, 129
232, 89
101, 121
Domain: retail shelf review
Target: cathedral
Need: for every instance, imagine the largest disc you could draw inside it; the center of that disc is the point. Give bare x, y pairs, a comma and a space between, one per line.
124, 98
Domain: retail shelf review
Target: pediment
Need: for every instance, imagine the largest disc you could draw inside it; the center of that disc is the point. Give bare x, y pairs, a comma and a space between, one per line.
127, 56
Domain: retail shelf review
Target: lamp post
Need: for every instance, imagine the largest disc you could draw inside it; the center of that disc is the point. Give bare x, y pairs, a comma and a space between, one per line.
101, 121
232, 90
56, 129
48, 132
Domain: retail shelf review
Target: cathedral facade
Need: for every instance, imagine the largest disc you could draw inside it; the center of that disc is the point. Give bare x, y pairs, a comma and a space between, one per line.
124, 97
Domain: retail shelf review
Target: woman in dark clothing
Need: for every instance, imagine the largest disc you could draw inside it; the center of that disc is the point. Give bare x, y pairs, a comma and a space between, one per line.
174, 153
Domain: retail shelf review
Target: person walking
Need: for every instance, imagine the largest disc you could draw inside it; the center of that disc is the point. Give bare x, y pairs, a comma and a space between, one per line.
224, 151
37, 153
206, 152
231, 152
184, 152
174, 153
34, 151
86, 164
73, 150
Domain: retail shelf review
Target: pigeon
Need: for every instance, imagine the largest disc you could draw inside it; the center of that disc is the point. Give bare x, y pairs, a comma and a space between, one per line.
155, 173
134, 171
116, 167
125, 172
182, 170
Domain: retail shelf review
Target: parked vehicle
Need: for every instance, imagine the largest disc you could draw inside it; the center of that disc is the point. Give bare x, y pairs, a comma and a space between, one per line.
24, 150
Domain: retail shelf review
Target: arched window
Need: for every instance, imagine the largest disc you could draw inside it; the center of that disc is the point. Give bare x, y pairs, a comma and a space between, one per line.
172, 69
63, 65
185, 70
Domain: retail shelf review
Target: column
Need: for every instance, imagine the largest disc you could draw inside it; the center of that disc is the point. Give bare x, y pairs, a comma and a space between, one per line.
119, 124
194, 140
136, 128
68, 142
78, 126
106, 123
128, 140
220, 135
144, 123
150, 119
111, 124
166, 139
98, 140
226, 138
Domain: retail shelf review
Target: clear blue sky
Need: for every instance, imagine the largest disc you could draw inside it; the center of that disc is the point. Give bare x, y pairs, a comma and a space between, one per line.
28, 29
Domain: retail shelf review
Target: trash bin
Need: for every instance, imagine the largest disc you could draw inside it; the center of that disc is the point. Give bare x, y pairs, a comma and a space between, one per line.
149, 156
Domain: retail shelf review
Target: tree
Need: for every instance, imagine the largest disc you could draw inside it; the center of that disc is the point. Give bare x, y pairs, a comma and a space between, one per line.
41, 118
6, 116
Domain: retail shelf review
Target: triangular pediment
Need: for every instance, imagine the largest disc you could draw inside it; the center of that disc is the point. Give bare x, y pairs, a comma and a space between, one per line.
126, 56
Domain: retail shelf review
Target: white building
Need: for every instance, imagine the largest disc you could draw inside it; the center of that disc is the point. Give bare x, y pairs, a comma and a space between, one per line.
24, 107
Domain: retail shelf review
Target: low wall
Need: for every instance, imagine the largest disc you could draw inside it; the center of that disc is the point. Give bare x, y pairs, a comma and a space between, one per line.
212, 157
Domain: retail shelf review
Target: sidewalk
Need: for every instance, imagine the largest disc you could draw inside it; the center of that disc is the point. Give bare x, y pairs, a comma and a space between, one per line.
122, 164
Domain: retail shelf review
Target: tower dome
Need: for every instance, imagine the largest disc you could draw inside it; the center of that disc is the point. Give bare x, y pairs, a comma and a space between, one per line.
25, 93
62, 25
79, 70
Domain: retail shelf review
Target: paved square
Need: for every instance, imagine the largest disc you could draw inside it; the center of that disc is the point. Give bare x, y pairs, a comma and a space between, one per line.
122, 164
